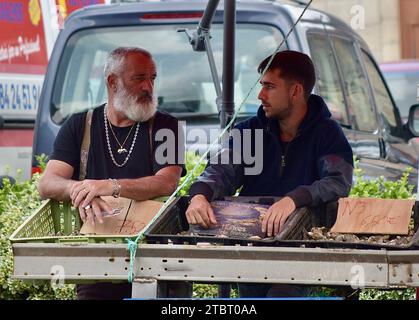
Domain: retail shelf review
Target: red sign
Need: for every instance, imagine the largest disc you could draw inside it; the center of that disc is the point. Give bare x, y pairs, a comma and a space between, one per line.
65, 7
22, 37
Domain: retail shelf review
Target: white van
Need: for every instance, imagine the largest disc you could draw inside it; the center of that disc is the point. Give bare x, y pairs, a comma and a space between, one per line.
347, 74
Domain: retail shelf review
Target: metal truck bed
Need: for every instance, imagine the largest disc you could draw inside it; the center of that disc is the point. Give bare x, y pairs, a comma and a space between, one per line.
158, 263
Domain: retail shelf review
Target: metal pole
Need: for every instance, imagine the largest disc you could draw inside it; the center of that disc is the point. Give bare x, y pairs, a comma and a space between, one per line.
209, 12
203, 34
213, 68
227, 106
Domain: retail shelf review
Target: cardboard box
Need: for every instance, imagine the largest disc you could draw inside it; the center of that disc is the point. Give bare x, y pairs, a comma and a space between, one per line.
133, 217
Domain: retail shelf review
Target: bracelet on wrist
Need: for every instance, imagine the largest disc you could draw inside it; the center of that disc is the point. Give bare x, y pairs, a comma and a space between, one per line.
116, 188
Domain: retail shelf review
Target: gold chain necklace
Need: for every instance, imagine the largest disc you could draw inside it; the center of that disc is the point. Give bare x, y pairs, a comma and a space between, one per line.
121, 146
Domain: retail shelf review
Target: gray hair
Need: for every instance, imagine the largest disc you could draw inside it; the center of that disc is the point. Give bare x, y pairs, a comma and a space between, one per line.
115, 59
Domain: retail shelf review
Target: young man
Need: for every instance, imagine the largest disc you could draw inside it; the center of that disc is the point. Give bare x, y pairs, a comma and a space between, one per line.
306, 158
121, 159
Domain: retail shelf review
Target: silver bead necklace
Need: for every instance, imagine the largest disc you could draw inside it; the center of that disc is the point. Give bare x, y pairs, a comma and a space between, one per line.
105, 118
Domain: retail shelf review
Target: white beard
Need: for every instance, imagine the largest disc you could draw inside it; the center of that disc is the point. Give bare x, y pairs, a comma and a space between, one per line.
127, 104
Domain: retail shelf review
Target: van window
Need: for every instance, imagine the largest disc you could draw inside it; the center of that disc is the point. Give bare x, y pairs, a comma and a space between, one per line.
360, 106
402, 81
184, 83
383, 101
327, 77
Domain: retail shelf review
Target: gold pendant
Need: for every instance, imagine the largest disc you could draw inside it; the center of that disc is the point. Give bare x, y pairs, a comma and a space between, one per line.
122, 150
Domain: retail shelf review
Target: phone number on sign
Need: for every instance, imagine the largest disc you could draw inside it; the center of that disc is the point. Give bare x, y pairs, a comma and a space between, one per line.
16, 96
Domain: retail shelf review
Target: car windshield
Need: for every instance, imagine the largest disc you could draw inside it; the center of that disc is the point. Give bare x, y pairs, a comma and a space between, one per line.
184, 84
403, 87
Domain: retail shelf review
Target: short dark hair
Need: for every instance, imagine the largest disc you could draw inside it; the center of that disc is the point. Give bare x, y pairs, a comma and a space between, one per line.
294, 66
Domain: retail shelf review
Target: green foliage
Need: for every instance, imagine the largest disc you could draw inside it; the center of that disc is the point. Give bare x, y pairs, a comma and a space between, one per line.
320, 292
17, 202
201, 290
401, 294
205, 290
381, 188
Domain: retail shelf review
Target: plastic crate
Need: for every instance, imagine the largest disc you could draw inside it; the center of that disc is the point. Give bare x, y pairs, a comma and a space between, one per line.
169, 226
57, 222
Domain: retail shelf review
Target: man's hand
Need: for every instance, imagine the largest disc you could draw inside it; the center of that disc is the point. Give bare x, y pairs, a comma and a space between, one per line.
83, 192
276, 216
200, 212
94, 211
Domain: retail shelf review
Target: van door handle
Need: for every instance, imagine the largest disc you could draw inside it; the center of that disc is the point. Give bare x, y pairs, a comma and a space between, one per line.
382, 145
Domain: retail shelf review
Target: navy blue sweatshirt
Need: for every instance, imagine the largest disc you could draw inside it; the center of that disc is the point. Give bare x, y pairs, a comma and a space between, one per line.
314, 168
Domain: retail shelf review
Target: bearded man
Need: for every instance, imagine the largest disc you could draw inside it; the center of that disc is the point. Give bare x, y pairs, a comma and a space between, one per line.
121, 159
